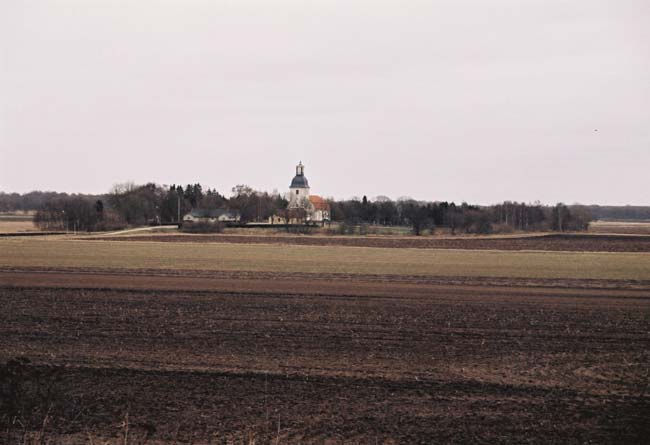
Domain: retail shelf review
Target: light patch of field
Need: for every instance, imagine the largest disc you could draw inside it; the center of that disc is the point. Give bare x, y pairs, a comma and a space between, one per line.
18, 225
44, 252
18, 214
623, 227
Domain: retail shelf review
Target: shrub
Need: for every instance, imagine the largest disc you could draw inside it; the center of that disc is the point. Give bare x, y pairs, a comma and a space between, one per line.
203, 227
301, 229
502, 228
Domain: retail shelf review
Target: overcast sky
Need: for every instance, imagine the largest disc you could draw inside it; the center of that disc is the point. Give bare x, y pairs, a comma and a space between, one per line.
478, 101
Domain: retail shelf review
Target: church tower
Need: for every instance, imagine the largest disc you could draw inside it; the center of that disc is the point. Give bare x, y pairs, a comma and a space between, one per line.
299, 189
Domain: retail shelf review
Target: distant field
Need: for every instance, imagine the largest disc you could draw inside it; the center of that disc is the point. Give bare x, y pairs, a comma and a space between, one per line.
17, 222
16, 225
631, 227
322, 259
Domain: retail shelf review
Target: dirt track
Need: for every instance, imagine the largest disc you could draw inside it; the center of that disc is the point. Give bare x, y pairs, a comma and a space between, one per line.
577, 243
330, 362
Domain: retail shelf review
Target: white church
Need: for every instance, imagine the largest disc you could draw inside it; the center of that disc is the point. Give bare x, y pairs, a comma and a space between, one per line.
303, 208
315, 207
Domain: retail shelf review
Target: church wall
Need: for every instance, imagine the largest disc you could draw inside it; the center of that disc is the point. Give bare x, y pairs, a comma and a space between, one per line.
296, 199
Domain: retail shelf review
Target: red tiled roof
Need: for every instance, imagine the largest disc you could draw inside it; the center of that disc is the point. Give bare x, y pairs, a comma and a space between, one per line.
319, 203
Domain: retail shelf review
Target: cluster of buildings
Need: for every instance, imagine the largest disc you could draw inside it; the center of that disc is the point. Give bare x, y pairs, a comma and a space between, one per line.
303, 207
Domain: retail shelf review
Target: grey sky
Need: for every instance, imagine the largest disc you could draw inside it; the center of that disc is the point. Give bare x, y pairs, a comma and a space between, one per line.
479, 100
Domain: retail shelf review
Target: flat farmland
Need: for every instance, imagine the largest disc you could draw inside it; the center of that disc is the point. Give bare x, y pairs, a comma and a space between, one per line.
540, 242
154, 342
322, 259
632, 227
16, 225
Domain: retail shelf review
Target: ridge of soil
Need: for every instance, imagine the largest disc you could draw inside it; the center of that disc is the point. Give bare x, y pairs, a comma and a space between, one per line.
155, 278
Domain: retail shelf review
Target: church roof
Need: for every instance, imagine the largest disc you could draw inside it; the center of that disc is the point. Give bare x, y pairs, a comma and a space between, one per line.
299, 181
319, 203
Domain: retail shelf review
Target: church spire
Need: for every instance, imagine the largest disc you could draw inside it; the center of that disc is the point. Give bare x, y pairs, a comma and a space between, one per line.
300, 169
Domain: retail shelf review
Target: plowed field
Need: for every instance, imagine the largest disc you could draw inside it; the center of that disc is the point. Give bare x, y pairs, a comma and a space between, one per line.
556, 242
167, 356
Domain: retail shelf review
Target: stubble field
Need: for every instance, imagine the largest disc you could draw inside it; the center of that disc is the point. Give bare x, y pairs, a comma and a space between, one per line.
16, 225
631, 227
149, 342
283, 258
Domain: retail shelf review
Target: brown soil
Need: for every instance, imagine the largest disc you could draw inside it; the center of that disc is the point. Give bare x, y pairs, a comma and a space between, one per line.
307, 359
286, 282
555, 242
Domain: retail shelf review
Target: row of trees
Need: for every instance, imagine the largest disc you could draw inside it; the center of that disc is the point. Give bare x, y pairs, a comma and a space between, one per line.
620, 212
152, 203
16, 202
466, 218
130, 204
71, 213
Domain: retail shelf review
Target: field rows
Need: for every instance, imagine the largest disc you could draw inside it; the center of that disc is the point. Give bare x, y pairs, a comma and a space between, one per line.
420, 365
282, 343
554, 243
320, 259
311, 283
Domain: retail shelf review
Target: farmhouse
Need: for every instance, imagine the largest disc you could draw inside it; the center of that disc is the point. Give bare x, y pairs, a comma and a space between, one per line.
314, 207
211, 216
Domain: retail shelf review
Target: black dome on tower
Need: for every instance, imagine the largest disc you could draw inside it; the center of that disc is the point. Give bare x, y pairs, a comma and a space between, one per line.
300, 180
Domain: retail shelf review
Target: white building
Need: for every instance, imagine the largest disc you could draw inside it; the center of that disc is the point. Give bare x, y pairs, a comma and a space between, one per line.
315, 207
211, 216
299, 189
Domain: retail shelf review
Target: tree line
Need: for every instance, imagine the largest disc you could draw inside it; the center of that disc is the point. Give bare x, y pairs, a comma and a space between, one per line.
464, 218
129, 204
